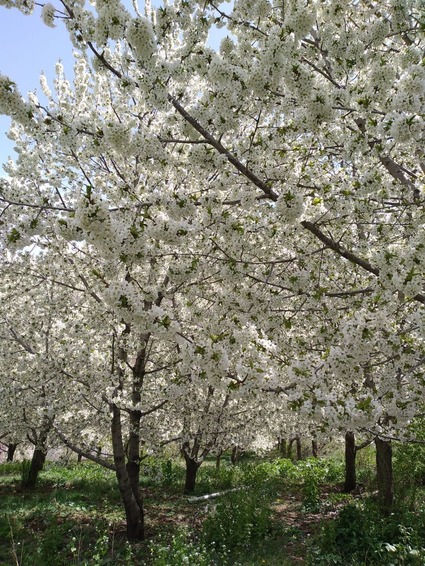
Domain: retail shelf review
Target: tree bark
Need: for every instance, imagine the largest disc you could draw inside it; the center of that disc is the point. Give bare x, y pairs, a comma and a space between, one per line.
39, 439
192, 467
384, 473
218, 459
133, 456
11, 451
314, 448
37, 463
290, 445
283, 447
350, 482
235, 455
128, 481
299, 448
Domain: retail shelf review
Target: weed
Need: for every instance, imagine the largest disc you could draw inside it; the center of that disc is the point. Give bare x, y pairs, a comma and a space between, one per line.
404, 552
25, 471
178, 551
16, 549
10, 468
239, 520
75, 518
362, 535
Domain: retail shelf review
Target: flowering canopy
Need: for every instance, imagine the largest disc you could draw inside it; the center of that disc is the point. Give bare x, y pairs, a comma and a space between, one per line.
260, 206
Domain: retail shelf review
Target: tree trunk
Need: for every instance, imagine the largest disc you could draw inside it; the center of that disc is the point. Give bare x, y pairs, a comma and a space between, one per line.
314, 448
128, 481
283, 447
218, 460
299, 448
11, 451
384, 473
39, 439
350, 482
290, 446
235, 455
192, 467
37, 463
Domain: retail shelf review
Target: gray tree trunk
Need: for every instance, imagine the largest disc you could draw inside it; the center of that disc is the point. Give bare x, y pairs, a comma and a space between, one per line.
218, 459
39, 439
283, 447
314, 448
128, 481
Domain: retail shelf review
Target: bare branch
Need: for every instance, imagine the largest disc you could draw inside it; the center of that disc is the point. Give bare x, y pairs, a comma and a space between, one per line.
84, 453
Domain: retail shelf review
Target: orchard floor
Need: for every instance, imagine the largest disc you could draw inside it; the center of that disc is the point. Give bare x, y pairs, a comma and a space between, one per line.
75, 517
47, 522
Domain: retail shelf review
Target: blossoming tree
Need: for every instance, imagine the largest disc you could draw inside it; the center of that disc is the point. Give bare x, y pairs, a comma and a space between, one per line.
278, 179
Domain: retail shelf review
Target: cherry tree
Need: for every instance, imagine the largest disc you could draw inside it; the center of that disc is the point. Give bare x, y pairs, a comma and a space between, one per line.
279, 177
29, 336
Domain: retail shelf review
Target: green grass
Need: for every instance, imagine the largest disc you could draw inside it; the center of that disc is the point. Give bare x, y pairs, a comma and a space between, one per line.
61, 521
286, 514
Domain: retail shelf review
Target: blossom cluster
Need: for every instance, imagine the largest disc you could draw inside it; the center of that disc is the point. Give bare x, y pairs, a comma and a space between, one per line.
235, 234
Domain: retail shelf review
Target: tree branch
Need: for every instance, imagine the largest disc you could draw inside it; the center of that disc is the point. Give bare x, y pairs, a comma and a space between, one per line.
331, 244
88, 455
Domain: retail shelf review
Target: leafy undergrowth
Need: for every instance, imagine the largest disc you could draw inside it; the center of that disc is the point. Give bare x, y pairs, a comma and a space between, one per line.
285, 514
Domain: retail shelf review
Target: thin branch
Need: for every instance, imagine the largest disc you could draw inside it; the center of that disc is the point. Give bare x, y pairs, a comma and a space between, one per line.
223, 151
365, 291
24, 345
176, 141
318, 70
330, 243
395, 438
153, 409
38, 206
363, 445
279, 389
84, 453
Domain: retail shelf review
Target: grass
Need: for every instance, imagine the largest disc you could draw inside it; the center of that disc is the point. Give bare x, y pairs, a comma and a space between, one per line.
287, 515
71, 508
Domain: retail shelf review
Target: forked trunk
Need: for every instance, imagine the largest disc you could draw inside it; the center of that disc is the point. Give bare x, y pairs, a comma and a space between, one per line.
384, 473
350, 482
133, 508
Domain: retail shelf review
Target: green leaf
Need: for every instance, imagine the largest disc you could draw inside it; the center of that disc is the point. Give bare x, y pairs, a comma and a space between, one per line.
14, 236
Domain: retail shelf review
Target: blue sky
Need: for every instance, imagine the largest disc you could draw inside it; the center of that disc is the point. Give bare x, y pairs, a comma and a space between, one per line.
28, 47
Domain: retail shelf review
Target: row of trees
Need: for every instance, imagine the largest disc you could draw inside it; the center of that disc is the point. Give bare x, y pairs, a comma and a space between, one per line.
200, 245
